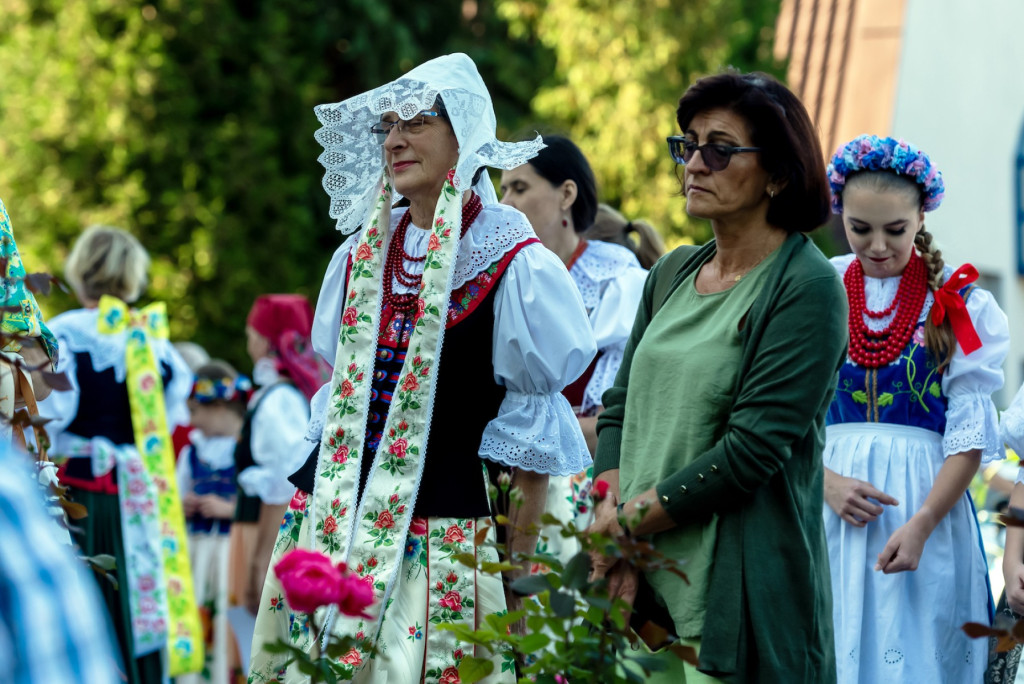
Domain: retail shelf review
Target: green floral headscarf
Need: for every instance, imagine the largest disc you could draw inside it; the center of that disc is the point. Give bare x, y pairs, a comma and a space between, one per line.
20, 316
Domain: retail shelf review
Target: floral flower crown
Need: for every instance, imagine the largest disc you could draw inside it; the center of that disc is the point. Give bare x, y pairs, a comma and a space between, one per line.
209, 390
871, 153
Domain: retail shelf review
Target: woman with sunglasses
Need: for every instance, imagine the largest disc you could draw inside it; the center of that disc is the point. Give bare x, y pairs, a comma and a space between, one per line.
738, 343
911, 421
452, 332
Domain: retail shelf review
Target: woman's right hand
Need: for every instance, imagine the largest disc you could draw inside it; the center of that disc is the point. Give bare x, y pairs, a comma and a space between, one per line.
851, 499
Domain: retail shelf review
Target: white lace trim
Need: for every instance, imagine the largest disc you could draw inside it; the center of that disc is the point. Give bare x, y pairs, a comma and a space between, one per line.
77, 328
492, 235
353, 158
537, 432
600, 263
605, 370
972, 423
317, 414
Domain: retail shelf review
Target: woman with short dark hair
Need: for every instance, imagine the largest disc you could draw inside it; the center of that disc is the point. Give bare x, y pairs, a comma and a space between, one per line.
738, 341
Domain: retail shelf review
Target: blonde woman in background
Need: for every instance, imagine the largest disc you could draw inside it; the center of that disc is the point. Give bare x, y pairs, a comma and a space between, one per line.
92, 425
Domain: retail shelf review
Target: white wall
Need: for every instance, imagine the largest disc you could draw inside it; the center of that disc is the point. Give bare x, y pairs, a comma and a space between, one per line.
960, 98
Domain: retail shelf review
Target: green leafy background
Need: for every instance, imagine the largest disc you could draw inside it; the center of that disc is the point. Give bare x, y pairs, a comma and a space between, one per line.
190, 122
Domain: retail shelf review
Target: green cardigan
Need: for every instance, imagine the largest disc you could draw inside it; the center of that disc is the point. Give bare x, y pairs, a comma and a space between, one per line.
769, 613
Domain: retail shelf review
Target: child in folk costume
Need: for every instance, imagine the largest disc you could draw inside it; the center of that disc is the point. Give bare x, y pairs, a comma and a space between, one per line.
206, 479
911, 421
287, 373
128, 388
453, 332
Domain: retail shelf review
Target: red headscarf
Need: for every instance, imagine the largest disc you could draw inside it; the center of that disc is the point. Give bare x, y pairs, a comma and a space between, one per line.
286, 320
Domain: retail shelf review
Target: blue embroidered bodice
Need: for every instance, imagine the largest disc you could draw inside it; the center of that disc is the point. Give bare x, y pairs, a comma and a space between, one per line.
206, 480
905, 392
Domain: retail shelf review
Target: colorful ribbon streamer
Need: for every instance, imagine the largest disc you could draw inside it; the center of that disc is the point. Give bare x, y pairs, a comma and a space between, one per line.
949, 301
153, 441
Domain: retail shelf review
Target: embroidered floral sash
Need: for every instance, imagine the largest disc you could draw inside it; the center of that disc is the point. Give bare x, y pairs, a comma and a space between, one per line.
376, 526
153, 442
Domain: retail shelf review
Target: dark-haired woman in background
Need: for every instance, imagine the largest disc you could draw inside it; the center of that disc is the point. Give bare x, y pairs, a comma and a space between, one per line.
712, 435
638, 236
557, 192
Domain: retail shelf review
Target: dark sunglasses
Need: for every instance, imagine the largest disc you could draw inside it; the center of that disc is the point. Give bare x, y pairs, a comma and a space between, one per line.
716, 156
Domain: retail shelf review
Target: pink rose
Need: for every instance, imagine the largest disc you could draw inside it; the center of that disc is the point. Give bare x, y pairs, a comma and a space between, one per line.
452, 578
347, 390
385, 521
298, 502
364, 253
358, 595
417, 360
600, 490
137, 487
330, 525
452, 600
418, 527
451, 176
457, 654
350, 317
146, 583
439, 586
433, 244
309, 579
403, 425
398, 447
372, 562
341, 455
439, 222
352, 658
450, 676
147, 382
454, 535
410, 383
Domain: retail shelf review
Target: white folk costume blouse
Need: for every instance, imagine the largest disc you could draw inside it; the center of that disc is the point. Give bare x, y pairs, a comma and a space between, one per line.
611, 282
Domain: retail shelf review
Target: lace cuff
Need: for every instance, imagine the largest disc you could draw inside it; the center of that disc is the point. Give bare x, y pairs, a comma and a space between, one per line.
317, 414
270, 486
537, 432
972, 423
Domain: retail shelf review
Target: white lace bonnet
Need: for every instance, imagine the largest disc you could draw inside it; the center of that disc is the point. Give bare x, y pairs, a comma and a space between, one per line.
354, 158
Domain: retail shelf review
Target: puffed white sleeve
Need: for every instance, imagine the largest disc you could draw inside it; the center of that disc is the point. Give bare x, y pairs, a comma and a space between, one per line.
969, 381
179, 388
1011, 423
542, 342
612, 320
278, 445
327, 317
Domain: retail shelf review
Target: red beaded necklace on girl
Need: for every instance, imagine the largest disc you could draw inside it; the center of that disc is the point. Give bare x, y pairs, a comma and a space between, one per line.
394, 263
874, 349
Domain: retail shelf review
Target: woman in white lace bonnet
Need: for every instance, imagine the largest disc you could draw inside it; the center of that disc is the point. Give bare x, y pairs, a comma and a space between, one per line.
397, 483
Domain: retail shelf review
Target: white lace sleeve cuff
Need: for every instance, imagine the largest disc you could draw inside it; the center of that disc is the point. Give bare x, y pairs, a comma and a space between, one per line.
317, 414
603, 378
271, 486
537, 432
972, 423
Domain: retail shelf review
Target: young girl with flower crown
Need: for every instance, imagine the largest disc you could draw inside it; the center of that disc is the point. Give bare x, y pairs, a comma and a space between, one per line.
206, 480
911, 420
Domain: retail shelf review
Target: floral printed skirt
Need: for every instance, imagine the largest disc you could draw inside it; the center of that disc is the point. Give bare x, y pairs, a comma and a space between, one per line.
431, 589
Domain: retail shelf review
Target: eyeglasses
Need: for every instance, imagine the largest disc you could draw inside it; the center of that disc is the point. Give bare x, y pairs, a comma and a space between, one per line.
382, 129
716, 156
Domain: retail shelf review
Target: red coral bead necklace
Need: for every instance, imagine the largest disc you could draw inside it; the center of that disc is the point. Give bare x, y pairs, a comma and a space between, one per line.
874, 349
394, 263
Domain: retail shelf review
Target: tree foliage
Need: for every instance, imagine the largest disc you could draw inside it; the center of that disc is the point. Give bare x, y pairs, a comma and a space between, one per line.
621, 68
190, 122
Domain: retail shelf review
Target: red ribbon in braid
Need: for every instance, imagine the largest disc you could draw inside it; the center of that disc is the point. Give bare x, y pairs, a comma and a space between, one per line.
948, 301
